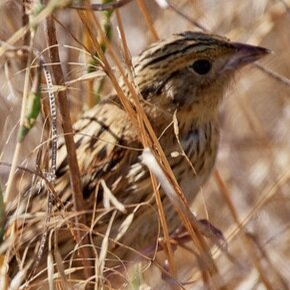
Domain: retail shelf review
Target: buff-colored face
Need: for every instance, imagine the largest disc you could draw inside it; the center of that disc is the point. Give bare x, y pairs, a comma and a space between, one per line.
191, 70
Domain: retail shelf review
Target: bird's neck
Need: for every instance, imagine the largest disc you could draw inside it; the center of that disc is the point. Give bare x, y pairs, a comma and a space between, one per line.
195, 119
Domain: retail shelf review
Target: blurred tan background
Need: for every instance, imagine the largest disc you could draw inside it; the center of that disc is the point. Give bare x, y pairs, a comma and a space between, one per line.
254, 155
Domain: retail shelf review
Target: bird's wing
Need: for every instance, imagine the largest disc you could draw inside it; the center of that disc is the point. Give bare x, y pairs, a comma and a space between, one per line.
106, 146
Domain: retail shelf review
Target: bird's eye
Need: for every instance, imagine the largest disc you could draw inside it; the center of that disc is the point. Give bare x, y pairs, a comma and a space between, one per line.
201, 66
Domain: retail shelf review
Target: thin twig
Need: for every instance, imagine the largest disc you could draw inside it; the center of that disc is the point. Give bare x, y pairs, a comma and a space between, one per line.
10, 182
148, 19
189, 19
273, 74
53, 117
138, 122
48, 10
74, 172
101, 7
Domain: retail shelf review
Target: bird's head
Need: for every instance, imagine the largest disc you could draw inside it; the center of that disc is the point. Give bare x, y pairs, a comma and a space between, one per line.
190, 71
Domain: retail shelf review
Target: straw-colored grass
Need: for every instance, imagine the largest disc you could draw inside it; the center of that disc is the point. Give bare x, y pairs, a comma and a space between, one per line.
247, 197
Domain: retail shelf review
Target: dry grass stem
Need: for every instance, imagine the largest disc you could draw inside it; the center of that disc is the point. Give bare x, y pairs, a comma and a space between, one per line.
68, 234
67, 128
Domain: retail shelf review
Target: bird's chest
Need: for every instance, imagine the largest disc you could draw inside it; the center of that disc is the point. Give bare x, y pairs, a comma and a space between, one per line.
194, 156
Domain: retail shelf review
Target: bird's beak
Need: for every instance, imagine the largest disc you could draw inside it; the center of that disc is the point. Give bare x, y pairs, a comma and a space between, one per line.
244, 54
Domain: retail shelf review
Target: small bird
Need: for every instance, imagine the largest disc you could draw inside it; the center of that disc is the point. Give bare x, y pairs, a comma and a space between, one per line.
185, 75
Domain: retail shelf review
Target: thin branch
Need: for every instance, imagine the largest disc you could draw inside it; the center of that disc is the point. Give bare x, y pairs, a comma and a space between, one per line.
148, 20
11, 178
74, 172
273, 74
186, 17
101, 7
